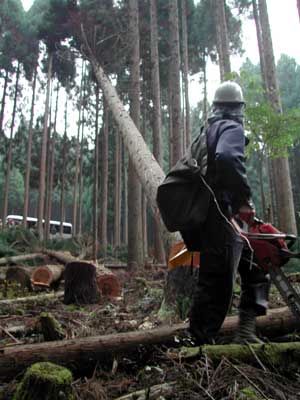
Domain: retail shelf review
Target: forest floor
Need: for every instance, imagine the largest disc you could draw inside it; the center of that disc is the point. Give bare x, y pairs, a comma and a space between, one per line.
137, 309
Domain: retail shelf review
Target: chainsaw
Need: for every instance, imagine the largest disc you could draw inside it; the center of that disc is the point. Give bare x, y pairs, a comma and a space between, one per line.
272, 251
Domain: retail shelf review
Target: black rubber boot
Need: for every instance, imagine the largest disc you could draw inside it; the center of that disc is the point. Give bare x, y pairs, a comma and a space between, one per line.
246, 332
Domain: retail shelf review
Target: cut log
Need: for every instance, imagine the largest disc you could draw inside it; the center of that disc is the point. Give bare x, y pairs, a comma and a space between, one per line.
32, 299
85, 351
21, 258
45, 381
20, 275
108, 283
46, 275
81, 283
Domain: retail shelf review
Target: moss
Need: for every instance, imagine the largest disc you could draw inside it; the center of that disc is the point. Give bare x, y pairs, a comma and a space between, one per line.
248, 393
45, 381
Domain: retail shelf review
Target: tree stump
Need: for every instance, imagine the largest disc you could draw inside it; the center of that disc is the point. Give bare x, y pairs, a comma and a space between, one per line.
45, 381
50, 327
81, 283
46, 275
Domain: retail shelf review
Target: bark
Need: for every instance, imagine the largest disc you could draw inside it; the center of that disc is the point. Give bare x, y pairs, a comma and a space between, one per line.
29, 148
79, 352
108, 283
104, 182
185, 64
222, 39
63, 172
261, 184
125, 197
75, 187
298, 6
174, 66
284, 200
118, 190
3, 101
159, 252
46, 275
44, 153
96, 179
80, 283
20, 259
10, 150
51, 170
135, 234
170, 121
205, 102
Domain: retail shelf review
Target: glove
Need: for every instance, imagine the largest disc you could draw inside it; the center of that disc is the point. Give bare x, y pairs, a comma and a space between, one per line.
247, 214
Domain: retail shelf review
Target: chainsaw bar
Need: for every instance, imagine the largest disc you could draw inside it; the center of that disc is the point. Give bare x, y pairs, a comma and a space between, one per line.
285, 288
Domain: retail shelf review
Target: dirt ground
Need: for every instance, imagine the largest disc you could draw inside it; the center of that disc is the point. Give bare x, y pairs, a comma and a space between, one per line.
137, 309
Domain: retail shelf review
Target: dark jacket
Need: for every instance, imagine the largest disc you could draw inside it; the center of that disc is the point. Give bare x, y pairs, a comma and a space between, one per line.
226, 164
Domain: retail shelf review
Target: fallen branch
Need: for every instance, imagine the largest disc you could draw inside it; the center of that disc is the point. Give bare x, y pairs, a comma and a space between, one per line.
151, 393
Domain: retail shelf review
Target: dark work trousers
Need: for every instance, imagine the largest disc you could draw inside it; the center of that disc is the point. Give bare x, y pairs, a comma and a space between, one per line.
220, 260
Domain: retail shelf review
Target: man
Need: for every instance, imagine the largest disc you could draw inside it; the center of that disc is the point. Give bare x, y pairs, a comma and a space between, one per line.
221, 246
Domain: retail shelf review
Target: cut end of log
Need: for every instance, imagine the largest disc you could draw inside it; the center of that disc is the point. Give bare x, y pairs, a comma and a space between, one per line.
41, 276
109, 285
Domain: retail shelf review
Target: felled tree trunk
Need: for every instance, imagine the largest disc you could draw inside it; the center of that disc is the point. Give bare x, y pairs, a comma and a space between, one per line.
21, 258
45, 381
31, 299
89, 350
46, 275
108, 283
81, 283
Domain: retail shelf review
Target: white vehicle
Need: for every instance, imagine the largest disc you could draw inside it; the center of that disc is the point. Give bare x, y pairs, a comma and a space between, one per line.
12, 220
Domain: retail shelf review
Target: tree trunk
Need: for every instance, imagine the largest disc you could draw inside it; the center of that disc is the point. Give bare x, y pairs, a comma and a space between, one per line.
259, 42
284, 200
3, 101
81, 169
298, 6
51, 170
118, 190
205, 107
135, 235
104, 181
75, 187
261, 183
63, 174
222, 39
125, 196
44, 153
96, 179
159, 252
79, 352
28, 156
174, 66
185, 63
10, 150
